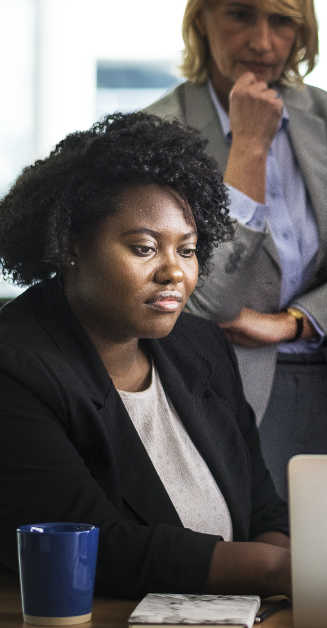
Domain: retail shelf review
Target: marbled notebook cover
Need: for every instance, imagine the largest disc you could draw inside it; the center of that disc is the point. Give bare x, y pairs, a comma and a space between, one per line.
174, 609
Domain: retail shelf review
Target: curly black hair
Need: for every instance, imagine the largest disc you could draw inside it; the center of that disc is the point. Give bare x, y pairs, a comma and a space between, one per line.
58, 199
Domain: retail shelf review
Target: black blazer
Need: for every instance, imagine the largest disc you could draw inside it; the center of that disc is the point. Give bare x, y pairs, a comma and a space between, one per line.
70, 452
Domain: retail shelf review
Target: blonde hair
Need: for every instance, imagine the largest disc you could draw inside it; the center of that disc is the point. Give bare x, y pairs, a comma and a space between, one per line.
196, 55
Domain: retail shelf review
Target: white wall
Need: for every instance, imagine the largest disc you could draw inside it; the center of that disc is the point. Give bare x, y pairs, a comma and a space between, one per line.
49, 49
73, 34
65, 84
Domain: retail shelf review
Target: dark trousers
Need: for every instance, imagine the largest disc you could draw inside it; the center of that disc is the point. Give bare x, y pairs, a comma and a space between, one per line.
295, 421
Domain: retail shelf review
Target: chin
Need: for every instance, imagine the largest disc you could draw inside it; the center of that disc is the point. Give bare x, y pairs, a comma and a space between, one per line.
160, 329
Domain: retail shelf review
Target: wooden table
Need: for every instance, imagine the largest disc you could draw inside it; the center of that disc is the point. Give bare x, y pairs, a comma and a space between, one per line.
106, 613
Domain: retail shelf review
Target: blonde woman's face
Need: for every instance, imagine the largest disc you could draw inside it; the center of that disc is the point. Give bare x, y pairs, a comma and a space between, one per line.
244, 37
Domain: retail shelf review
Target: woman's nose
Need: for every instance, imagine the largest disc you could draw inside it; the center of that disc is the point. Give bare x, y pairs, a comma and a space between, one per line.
260, 38
169, 273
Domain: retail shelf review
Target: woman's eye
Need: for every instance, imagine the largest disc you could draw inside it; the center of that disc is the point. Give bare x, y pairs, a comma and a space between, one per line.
277, 19
188, 252
241, 15
143, 251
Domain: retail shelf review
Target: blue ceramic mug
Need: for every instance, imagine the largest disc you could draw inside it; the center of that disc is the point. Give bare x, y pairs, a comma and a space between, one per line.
57, 563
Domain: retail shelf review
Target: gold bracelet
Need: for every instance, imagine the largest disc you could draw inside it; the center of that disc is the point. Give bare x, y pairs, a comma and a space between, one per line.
299, 319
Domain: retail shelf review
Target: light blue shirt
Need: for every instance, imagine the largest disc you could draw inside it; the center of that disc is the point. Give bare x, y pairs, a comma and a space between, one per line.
288, 214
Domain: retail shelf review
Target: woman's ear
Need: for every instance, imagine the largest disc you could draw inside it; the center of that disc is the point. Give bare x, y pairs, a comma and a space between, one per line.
74, 255
75, 248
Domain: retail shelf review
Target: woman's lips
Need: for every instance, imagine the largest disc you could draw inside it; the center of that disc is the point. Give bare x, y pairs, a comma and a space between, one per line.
165, 302
165, 305
258, 68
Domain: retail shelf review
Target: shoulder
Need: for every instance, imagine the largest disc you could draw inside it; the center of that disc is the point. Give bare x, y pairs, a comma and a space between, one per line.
319, 100
170, 105
204, 342
188, 324
18, 320
32, 356
25, 347
198, 353
184, 102
306, 98
316, 93
199, 329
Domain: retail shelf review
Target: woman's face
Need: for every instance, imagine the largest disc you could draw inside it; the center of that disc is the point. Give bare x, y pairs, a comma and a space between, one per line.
245, 38
134, 277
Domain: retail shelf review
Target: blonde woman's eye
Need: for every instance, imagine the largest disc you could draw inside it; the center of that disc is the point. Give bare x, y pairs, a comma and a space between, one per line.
241, 15
278, 19
143, 251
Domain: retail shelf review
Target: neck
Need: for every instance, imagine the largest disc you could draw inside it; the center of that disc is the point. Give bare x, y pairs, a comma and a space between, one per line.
118, 356
126, 362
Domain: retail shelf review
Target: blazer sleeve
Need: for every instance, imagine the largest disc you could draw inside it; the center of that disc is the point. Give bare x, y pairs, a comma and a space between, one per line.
314, 302
45, 478
231, 269
268, 511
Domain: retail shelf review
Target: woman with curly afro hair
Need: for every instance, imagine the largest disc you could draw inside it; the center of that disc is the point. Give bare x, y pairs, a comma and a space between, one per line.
116, 407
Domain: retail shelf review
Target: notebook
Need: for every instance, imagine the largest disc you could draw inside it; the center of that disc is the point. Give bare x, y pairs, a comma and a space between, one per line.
308, 528
175, 610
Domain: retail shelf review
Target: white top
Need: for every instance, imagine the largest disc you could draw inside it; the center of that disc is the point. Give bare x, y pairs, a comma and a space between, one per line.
185, 475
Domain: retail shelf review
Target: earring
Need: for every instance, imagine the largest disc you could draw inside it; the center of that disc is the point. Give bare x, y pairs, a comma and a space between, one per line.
72, 263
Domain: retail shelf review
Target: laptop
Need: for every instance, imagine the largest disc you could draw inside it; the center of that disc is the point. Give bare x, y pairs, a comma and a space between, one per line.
308, 528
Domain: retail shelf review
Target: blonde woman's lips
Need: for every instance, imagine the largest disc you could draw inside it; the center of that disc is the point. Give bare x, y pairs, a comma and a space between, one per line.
252, 66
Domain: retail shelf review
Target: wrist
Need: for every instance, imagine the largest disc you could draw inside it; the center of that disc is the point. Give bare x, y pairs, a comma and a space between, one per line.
247, 175
297, 319
242, 147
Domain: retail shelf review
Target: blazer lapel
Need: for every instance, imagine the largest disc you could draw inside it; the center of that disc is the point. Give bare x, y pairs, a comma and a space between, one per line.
140, 485
309, 140
200, 114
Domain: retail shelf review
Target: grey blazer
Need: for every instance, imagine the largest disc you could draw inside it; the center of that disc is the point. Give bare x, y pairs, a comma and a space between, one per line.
247, 269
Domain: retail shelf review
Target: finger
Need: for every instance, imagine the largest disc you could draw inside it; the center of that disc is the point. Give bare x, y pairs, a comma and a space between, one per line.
244, 82
273, 92
249, 82
262, 88
248, 78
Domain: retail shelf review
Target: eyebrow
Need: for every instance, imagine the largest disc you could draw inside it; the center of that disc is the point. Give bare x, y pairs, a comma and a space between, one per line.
244, 5
155, 234
240, 5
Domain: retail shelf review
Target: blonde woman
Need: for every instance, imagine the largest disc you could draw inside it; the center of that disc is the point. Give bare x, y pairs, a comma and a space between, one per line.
245, 63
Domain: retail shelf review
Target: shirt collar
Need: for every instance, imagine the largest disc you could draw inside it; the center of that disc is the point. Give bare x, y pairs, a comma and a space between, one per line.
224, 119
